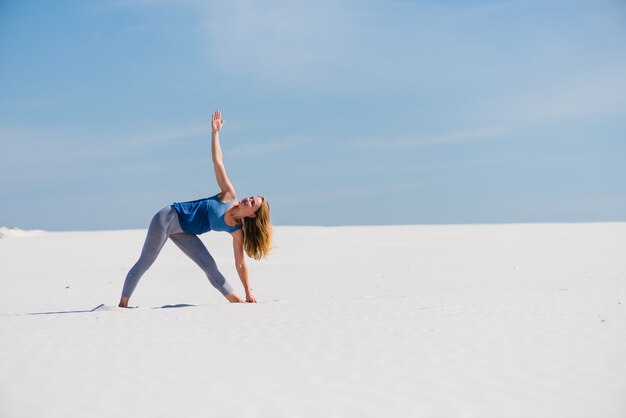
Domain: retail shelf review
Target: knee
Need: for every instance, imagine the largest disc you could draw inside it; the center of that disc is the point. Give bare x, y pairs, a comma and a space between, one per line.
143, 264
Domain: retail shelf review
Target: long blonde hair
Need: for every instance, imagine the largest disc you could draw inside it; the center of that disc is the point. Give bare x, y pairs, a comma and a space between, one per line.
257, 233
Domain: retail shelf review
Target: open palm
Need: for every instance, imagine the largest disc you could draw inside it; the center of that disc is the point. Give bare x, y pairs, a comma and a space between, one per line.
216, 121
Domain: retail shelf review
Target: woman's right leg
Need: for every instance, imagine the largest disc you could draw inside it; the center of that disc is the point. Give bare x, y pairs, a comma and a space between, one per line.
160, 228
191, 245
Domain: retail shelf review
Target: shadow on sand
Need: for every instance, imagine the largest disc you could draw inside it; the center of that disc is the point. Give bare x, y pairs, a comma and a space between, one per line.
63, 312
103, 307
178, 305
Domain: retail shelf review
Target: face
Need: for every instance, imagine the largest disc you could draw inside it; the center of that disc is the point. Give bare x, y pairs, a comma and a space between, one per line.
250, 205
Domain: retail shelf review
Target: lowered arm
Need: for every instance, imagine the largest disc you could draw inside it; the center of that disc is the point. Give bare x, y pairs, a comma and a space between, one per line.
240, 264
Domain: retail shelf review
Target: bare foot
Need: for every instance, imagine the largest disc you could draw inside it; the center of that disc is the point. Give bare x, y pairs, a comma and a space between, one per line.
233, 298
123, 302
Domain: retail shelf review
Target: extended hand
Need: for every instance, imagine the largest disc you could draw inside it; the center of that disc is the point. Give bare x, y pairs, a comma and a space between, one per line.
250, 298
216, 121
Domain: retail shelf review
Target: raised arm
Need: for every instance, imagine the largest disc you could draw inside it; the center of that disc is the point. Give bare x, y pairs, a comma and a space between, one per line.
226, 187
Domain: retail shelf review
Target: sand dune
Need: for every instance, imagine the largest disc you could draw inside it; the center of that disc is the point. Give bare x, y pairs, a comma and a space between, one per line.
392, 321
16, 232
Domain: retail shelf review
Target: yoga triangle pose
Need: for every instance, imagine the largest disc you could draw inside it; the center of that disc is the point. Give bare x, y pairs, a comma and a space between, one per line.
247, 221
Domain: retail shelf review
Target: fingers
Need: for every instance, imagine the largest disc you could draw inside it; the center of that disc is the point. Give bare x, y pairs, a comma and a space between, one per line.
217, 117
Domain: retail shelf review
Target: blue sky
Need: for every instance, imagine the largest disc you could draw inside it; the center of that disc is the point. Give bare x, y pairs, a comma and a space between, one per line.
341, 112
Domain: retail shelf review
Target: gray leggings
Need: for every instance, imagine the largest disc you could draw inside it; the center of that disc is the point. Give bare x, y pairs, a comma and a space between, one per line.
165, 225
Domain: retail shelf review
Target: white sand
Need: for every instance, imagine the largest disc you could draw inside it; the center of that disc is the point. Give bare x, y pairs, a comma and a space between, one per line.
417, 321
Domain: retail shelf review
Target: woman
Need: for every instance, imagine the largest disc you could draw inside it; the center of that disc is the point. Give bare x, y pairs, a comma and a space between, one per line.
247, 221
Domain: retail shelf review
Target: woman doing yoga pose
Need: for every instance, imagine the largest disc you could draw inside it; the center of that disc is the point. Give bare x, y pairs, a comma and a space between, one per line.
247, 221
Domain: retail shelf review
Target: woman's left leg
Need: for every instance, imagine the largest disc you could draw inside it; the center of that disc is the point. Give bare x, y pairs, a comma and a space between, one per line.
162, 225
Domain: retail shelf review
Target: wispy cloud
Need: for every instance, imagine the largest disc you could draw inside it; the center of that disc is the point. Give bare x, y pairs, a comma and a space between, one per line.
489, 133
167, 135
30, 151
346, 45
281, 41
578, 97
120, 4
32, 146
33, 103
326, 192
266, 148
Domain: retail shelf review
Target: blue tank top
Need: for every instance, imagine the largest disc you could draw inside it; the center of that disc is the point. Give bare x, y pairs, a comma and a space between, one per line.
203, 215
